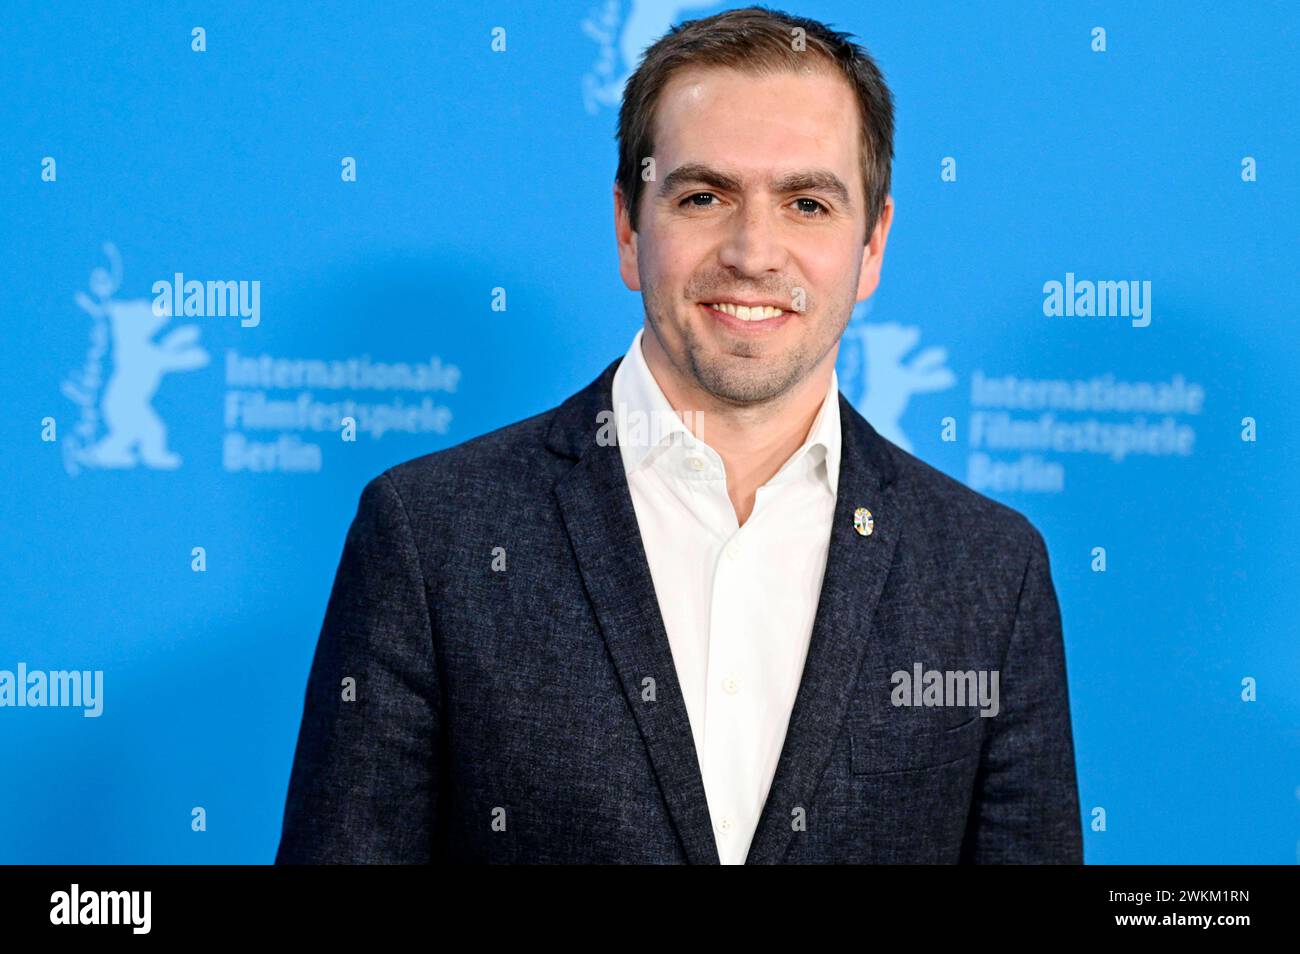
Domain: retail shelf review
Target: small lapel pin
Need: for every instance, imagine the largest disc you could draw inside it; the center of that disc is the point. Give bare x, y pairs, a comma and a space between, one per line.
862, 521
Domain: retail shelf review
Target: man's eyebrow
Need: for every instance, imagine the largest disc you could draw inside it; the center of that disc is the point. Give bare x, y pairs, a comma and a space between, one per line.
697, 172
815, 180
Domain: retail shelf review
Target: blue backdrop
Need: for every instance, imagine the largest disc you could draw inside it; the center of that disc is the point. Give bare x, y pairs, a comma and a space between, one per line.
375, 181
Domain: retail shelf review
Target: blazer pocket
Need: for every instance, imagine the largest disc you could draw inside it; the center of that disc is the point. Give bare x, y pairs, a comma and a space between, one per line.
896, 746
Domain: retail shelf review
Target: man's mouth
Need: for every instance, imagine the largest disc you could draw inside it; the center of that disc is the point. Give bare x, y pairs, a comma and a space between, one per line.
754, 312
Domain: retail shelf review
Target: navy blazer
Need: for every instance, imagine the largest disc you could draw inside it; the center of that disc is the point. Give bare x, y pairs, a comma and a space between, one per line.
493, 681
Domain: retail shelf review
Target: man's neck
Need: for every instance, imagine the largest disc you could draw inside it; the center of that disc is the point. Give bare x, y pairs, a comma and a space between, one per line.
753, 441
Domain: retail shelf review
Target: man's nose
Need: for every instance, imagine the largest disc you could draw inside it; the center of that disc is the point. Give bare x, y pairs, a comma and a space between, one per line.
754, 243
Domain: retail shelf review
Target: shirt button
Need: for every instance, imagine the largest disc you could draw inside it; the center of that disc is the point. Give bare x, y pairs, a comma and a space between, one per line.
726, 824
695, 463
731, 685
732, 551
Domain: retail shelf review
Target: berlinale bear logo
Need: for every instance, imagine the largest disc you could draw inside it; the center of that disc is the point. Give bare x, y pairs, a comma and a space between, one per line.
876, 378
118, 426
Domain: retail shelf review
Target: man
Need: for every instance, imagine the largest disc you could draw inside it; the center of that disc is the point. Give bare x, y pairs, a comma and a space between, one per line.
701, 612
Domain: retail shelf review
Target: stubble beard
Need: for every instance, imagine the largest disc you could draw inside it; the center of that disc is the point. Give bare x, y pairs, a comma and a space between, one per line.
742, 376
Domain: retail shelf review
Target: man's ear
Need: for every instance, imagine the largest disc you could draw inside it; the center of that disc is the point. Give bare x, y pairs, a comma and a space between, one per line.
626, 240
874, 255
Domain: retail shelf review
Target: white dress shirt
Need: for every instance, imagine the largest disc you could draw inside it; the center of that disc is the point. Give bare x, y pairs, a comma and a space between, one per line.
737, 602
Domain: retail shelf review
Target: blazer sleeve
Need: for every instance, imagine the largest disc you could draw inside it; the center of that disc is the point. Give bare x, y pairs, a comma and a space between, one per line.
364, 783
1026, 803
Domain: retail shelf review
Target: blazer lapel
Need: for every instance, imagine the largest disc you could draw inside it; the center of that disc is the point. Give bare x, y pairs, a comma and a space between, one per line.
856, 568
601, 523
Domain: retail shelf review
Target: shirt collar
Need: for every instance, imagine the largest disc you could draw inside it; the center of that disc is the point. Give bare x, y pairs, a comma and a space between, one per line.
647, 424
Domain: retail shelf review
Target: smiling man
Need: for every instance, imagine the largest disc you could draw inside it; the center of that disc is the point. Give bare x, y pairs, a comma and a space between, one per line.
685, 643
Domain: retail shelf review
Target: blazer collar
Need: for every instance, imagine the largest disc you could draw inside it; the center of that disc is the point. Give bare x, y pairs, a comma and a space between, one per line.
601, 523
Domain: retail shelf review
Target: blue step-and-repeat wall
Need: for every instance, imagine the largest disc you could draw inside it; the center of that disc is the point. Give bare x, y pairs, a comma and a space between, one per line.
413, 205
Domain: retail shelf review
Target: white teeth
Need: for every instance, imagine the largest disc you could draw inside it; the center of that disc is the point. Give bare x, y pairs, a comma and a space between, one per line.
744, 313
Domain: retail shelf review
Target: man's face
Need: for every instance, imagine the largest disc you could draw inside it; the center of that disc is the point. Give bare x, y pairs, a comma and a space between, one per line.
757, 198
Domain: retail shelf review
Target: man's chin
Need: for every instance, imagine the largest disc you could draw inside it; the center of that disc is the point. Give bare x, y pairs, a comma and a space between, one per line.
743, 381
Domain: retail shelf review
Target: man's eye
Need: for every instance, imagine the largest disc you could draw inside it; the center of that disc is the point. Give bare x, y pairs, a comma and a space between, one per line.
697, 195
812, 209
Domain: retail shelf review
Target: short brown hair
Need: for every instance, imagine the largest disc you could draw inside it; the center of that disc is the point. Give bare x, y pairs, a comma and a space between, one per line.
756, 40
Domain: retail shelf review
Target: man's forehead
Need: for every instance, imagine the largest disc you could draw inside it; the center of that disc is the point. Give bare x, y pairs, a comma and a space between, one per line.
722, 89
778, 131
811, 113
